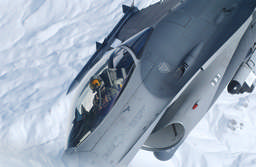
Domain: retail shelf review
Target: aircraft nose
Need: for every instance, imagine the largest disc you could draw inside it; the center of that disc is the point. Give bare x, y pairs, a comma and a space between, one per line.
85, 159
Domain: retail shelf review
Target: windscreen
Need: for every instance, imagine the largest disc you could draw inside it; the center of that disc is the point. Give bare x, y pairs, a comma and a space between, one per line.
100, 93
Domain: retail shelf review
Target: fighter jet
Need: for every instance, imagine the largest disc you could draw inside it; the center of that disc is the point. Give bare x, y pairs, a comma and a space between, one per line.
174, 59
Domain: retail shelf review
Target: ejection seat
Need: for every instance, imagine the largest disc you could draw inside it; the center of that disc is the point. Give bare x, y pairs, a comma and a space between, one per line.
113, 78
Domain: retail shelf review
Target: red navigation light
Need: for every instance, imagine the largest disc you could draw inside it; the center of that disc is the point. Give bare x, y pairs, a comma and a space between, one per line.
195, 106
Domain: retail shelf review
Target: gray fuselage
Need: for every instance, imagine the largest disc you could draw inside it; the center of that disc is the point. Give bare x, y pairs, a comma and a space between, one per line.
184, 65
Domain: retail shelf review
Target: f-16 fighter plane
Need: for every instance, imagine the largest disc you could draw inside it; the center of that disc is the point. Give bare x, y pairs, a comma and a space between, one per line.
173, 62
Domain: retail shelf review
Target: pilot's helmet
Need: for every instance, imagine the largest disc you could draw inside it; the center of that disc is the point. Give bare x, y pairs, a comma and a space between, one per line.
96, 83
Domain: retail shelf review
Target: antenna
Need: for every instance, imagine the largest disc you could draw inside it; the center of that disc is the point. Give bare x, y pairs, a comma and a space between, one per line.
132, 3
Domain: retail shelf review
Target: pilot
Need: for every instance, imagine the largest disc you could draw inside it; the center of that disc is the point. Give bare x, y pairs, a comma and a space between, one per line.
104, 96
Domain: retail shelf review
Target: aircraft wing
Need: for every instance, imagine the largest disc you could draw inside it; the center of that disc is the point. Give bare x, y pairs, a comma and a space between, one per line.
146, 17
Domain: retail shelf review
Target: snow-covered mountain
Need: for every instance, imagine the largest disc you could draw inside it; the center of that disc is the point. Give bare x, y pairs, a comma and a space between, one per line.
44, 44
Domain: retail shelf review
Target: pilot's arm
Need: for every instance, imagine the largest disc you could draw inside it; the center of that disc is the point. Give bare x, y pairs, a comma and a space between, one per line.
111, 94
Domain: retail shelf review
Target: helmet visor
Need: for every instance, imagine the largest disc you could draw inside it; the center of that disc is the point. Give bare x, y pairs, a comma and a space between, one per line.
95, 84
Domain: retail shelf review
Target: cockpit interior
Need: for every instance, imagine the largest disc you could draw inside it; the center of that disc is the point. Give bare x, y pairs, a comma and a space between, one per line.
100, 93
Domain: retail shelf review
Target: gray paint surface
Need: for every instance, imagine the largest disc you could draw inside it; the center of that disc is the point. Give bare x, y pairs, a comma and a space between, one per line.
181, 72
